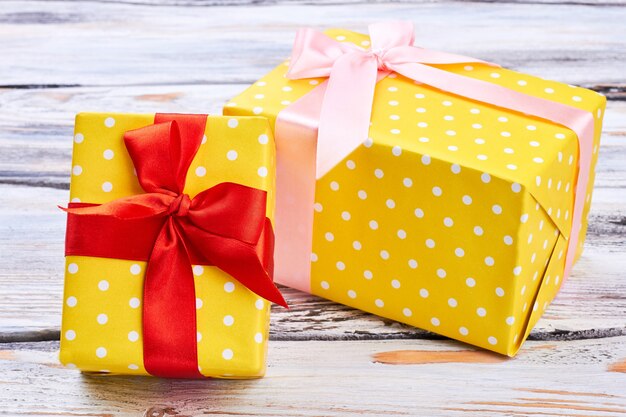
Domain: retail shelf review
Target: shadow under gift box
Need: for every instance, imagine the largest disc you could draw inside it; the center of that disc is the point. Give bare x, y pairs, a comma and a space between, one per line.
454, 215
102, 311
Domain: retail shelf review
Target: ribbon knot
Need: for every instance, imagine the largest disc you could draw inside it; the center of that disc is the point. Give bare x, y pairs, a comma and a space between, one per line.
180, 206
379, 55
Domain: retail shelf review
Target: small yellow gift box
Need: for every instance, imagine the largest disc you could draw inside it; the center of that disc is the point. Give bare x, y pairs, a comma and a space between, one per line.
102, 329
454, 215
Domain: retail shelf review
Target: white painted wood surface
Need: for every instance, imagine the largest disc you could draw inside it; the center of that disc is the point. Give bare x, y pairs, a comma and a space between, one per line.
61, 57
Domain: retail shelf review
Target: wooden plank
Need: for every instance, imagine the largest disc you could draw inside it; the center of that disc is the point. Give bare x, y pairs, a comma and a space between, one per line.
368, 378
591, 303
119, 43
36, 126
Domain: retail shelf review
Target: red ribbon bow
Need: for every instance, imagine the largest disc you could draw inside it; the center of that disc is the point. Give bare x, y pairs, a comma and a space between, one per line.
225, 226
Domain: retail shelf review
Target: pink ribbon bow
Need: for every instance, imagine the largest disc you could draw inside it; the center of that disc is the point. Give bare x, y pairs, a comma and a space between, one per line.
341, 108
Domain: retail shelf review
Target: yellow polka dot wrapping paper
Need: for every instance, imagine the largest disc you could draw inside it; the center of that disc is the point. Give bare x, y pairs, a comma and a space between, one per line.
453, 216
102, 311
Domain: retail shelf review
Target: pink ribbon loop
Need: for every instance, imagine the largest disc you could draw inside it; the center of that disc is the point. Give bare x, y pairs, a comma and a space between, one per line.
343, 105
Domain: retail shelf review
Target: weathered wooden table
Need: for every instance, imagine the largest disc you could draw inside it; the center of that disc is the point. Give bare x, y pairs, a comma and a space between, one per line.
58, 58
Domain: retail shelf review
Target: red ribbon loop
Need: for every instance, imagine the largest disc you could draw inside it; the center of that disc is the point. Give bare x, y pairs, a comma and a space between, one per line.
224, 226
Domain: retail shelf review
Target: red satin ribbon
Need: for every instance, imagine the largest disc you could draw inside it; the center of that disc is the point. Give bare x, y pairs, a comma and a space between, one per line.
223, 226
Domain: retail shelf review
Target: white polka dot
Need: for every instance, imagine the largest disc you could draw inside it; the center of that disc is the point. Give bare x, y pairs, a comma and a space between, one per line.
455, 168
103, 285
395, 283
135, 269
396, 151
356, 245
441, 273
517, 270
448, 222
257, 110
489, 261
459, 252
450, 133
373, 224
368, 142
263, 139
492, 340
227, 354
426, 159
258, 337
133, 367
531, 127
510, 320
109, 122
481, 312
424, 293
108, 154
468, 68
509, 150
107, 186
352, 294
334, 185
198, 270
231, 155
407, 312
228, 320
318, 207
70, 335
133, 336
422, 124
407, 182
516, 188
256, 96
420, 110
204, 139
477, 126
378, 173
77, 170
412, 263
262, 171
401, 234
199, 303
379, 303
497, 209
259, 304
437, 191
101, 352
79, 138
329, 236
419, 213
500, 292
229, 287
494, 75
72, 268
452, 302
512, 167
390, 203
419, 95
102, 318
486, 178
435, 321
424, 139
350, 164
198, 336
367, 274
467, 200
463, 331
345, 215
200, 171
384, 254
325, 285
470, 282
340, 266
71, 301
395, 132
362, 194
134, 302
577, 98
478, 231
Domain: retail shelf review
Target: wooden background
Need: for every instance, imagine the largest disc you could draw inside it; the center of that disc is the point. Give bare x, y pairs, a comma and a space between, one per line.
61, 57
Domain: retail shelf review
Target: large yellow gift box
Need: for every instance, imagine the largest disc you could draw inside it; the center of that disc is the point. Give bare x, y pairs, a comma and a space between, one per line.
454, 215
103, 299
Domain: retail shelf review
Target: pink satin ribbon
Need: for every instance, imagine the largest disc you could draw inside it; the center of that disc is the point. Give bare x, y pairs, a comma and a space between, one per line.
323, 127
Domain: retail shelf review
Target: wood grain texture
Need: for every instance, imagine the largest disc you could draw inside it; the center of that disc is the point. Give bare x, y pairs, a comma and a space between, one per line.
126, 43
318, 378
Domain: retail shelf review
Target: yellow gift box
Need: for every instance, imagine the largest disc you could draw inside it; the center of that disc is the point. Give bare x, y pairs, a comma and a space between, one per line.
102, 311
453, 216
